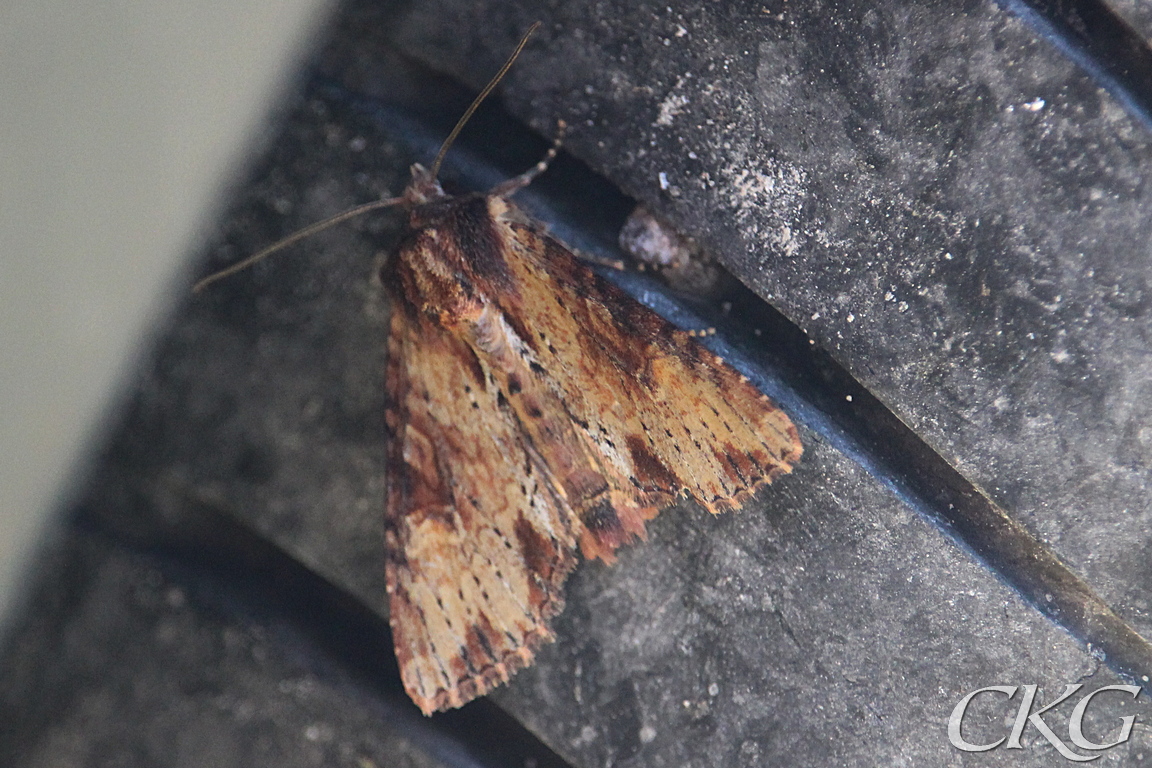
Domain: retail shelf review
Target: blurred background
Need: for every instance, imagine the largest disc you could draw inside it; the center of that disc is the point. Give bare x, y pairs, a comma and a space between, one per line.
123, 125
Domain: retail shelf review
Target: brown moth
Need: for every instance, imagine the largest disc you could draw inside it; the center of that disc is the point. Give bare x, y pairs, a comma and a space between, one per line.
537, 413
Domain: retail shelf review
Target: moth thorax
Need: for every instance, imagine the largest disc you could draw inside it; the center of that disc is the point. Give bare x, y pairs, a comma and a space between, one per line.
441, 287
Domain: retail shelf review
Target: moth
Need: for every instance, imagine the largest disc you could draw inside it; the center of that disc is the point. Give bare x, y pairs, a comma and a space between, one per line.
537, 414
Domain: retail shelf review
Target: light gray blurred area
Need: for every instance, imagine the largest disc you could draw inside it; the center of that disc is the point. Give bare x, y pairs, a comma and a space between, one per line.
122, 126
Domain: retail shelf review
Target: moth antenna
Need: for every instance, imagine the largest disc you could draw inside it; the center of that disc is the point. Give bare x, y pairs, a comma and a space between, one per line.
516, 183
476, 102
332, 221
296, 237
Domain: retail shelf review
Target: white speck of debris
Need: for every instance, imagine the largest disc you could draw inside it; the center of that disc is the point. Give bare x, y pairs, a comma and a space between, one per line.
680, 31
1061, 356
848, 398
851, 317
692, 155
663, 178
671, 106
815, 315
587, 736
765, 197
948, 257
175, 597
1033, 106
714, 690
318, 732
667, 41
647, 734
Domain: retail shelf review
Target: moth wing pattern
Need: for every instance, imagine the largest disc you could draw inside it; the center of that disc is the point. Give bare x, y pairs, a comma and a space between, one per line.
669, 416
466, 510
536, 411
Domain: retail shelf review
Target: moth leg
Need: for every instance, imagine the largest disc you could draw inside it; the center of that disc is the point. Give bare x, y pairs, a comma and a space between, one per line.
516, 183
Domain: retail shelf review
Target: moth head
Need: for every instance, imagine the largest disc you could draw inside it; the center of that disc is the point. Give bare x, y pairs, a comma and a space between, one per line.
424, 187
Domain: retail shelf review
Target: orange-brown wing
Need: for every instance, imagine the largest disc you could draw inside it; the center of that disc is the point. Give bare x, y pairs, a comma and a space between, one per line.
668, 415
478, 544
534, 406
